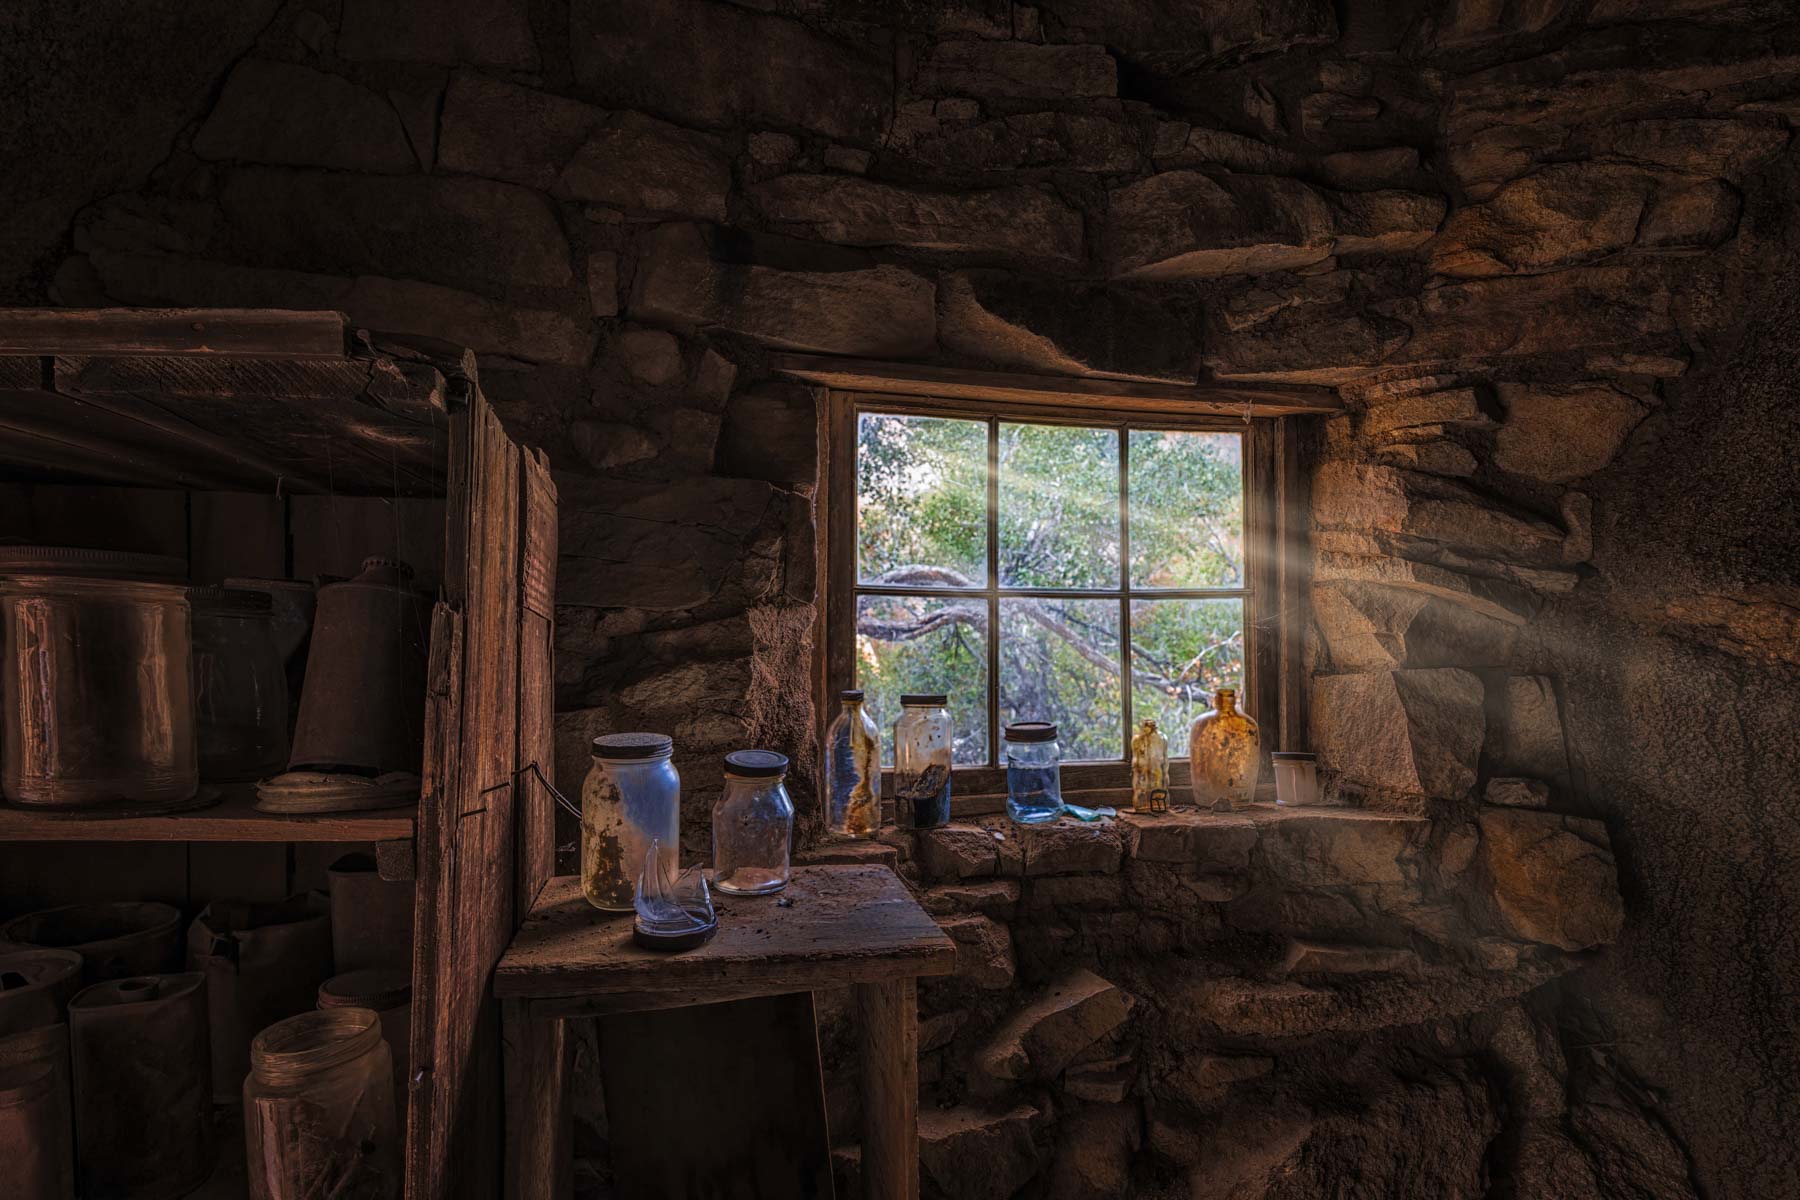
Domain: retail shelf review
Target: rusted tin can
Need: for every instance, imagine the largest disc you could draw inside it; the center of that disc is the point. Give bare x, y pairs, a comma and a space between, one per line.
371, 917
363, 707
143, 1087
37, 1132
262, 962
35, 987
114, 939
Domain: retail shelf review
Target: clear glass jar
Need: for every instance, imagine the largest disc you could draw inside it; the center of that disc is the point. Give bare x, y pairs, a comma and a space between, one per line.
753, 825
632, 795
1224, 753
1149, 769
1296, 778
1033, 772
319, 1115
96, 682
853, 769
922, 749
240, 685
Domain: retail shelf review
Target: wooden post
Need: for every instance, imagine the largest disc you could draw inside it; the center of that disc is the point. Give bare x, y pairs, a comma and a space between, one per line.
889, 1017
538, 1115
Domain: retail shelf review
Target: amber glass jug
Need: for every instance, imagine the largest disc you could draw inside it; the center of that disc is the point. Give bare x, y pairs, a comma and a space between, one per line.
1224, 751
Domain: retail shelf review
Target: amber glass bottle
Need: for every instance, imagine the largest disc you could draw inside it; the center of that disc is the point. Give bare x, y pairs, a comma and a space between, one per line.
1224, 750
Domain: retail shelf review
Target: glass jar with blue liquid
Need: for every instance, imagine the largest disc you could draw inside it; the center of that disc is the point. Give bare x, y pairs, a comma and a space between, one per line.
1033, 772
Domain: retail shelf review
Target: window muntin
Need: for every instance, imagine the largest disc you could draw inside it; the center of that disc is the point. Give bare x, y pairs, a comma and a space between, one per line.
1105, 541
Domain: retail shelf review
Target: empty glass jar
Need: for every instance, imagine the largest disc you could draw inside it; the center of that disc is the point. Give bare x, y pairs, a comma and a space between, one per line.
1223, 752
922, 750
853, 770
240, 685
319, 1115
752, 825
1033, 772
632, 795
1296, 778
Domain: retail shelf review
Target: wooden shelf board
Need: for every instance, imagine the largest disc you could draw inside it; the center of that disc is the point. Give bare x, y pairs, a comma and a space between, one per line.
233, 819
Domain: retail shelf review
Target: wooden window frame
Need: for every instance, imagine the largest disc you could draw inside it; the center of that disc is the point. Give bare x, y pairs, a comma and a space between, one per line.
1273, 591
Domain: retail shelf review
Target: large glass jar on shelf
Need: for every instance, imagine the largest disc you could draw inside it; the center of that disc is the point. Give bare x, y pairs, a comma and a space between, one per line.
319, 1109
1149, 769
632, 795
1033, 772
240, 685
853, 770
753, 825
1224, 752
922, 757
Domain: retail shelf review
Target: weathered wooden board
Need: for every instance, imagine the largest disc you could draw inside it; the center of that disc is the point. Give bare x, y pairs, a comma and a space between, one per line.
236, 534
1009, 387
717, 1100
840, 924
538, 812
888, 1030
234, 819
146, 520
256, 332
467, 821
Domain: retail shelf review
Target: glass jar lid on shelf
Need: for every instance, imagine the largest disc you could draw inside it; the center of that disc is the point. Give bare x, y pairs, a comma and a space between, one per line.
925, 699
851, 694
1031, 731
626, 746
756, 764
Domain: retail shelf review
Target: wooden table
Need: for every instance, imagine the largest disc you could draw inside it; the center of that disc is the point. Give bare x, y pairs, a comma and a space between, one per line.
844, 925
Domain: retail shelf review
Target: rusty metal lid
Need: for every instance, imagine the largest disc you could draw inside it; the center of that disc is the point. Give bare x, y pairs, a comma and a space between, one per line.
379, 988
91, 564
756, 764
627, 746
213, 600
925, 699
1031, 731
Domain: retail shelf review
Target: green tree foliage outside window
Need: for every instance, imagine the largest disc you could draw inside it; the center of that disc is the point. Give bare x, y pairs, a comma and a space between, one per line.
1063, 543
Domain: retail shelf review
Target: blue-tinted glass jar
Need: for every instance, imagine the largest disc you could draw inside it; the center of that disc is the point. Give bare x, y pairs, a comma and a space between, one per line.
1033, 772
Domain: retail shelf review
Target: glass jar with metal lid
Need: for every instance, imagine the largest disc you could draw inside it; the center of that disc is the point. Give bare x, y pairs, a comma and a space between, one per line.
1033, 772
240, 685
96, 692
753, 825
632, 795
922, 758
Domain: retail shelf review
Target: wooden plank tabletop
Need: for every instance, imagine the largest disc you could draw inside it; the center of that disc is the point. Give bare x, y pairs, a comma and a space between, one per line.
841, 925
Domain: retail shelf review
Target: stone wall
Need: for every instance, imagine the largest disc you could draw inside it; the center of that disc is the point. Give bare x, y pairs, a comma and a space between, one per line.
1545, 249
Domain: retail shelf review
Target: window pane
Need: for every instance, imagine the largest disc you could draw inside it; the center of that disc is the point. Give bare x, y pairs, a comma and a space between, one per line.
1059, 506
921, 501
1187, 509
1181, 650
918, 644
1059, 661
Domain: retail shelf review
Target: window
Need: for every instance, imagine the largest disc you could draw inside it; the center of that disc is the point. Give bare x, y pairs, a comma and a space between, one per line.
1022, 563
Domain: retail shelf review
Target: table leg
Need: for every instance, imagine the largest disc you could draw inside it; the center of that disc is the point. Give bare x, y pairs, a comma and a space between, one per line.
889, 1013
539, 1118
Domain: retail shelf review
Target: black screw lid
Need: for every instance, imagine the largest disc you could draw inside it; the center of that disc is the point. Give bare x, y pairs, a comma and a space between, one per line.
756, 764
851, 694
925, 699
1031, 731
633, 745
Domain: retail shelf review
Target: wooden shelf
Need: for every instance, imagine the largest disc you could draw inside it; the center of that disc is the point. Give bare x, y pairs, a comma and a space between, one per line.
233, 819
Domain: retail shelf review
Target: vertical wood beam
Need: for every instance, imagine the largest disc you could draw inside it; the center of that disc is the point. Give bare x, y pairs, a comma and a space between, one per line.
889, 1021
